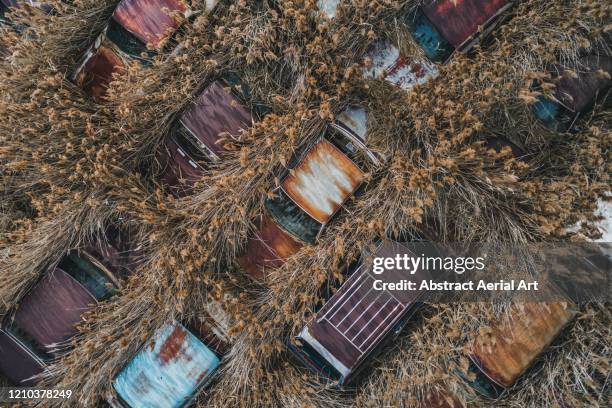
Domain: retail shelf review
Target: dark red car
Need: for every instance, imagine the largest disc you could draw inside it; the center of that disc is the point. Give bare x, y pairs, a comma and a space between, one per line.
136, 28
196, 140
443, 27
500, 355
357, 319
44, 320
309, 195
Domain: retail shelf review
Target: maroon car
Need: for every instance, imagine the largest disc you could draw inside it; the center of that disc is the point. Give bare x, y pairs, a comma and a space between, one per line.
309, 195
355, 321
218, 113
135, 28
46, 317
498, 356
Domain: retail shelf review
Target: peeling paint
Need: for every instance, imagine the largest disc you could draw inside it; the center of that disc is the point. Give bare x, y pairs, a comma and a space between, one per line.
387, 61
512, 345
322, 181
169, 373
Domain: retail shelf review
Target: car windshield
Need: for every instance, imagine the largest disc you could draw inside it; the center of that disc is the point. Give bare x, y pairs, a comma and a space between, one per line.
125, 41
429, 38
88, 274
292, 218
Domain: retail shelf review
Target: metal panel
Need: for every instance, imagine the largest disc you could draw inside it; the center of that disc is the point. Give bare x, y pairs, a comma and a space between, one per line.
513, 344
459, 20
149, 20
167, 371
388, 62
322, 181
357, 317
268, 248
49, 312
17, 362
95, 72
214, 113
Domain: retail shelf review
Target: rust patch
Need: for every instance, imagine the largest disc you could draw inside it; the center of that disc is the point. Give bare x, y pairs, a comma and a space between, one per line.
171, 349
506, 350
269, 248
323, 181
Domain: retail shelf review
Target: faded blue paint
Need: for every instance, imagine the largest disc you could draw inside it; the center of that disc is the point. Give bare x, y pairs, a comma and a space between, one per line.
152, 380
429, 38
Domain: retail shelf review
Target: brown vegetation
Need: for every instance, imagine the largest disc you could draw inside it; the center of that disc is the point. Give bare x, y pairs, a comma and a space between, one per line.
69, 166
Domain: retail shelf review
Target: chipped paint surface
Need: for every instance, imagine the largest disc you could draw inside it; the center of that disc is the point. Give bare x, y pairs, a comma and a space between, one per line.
328, 7
167, 371
386, 60
322, 181
459, 20
505, 351
355, 119
149, 20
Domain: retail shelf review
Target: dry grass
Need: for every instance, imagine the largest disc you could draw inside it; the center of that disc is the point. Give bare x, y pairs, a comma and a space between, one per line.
70, 166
